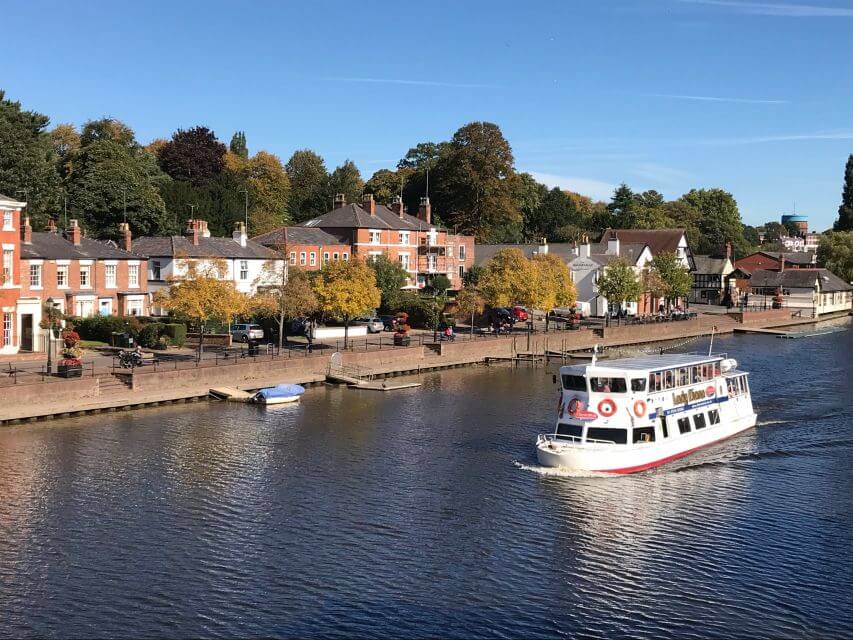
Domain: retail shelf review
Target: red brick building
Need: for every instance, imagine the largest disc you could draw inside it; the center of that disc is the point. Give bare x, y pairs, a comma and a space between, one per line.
423, 249
10, 275
772, 261
79, 276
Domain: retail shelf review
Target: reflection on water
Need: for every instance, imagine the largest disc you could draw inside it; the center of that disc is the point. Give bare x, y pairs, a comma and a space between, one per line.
422, 513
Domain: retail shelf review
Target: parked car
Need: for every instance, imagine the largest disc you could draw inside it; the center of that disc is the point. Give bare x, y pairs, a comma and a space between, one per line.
520, 314
389, 322
373, 323
246, 332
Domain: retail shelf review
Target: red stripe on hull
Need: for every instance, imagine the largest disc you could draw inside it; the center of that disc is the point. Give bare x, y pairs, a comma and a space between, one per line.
657, 463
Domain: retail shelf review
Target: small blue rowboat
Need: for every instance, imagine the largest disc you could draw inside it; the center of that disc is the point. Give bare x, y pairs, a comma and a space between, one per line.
279, 394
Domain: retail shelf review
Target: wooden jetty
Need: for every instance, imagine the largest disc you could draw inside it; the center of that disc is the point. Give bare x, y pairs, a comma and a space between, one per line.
230, 394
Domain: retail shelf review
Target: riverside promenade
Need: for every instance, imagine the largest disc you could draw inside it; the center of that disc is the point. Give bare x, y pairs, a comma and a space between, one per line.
106, 390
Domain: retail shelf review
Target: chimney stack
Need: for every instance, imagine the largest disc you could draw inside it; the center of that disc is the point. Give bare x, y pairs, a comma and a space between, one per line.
613, 244
239, 234
124, 236
575, 251
425, 210
543, 246
340, 200
397, 206
585, 250
193, 231
74, 232
369, 204
26, 231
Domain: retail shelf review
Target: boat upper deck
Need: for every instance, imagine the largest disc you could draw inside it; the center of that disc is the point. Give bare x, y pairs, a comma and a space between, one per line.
645, 363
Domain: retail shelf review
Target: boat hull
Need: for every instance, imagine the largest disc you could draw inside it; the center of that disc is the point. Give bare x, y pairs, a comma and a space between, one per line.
276, 400
640, 457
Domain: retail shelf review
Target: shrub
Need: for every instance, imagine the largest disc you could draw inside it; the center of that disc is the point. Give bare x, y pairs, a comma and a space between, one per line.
149, 336
101, 328
177, 333
415, 307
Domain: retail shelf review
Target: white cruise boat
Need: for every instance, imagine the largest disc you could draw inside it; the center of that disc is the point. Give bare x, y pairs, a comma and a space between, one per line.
632, 414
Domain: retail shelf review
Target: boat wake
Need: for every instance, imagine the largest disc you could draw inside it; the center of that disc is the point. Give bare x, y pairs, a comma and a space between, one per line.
767, 423
559, 472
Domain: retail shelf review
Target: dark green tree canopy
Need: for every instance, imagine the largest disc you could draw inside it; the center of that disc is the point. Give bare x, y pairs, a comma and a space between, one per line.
27, 161
193, 155
386, 184
107, 129
309, 185
845, 210
390, 278
346, 179
238, 145
719, 221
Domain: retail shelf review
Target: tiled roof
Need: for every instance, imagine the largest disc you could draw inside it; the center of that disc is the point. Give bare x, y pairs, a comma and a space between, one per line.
629, 251
181, 246
659, 240
53, 246
799, 278
352, 216
297, 235
707, 264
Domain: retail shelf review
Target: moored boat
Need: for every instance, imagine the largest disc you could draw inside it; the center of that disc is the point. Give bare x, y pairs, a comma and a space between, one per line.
279, 394
633, 414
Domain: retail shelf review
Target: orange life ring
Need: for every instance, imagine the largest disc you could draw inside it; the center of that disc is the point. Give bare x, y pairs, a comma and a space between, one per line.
640, 408
607, 407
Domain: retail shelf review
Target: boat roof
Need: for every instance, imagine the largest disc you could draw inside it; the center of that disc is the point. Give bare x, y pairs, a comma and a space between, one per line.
648, 363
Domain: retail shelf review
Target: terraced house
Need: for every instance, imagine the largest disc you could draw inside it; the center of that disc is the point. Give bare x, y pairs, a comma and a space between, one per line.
79, 276
10, 275
422, 249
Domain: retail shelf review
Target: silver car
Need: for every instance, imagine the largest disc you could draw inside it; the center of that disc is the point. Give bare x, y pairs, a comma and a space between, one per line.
246, 332
373, 324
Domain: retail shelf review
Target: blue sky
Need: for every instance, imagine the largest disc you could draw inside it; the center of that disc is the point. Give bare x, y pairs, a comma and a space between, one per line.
755, 97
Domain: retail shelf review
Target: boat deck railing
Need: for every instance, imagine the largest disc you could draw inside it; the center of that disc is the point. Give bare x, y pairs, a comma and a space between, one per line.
561, 437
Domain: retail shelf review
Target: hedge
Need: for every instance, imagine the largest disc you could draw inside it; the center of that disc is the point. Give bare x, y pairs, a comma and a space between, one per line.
101, 328
177, 333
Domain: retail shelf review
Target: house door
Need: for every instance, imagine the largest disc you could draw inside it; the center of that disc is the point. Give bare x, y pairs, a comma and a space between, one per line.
27, 332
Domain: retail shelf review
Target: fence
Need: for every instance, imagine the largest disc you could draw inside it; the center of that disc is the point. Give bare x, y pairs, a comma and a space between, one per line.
12, 374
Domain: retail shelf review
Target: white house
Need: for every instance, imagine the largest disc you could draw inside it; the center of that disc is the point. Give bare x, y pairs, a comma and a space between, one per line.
637, 247
814, 291
169, 257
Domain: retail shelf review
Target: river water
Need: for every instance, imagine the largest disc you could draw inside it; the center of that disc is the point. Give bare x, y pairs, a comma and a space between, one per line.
421, 513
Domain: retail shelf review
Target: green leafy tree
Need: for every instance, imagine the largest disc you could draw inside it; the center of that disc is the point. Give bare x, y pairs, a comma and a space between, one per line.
845, 210
309, 185
219, 202
528, 196
423, 155
470, 302
676, 278
390, 278
750, 235
107, 130
111, 180
835, 252
268, 186
508, 279
556, 210
620, 206
773, 231
27, 160
193, 155
238, 145
346, 179
619, 284
386, 184
440, 283
283, 293
719, 221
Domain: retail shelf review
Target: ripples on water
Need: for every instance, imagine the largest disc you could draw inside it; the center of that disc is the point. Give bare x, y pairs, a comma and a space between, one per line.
419, 513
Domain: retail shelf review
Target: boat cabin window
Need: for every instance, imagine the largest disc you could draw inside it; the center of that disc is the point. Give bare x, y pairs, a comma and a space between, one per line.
669, 379
638, 384
683, 377
574, 430
616, 436
608, 385
655, 382
574, 383
714, 416
644, 434
684, 425
737, 386
699, 421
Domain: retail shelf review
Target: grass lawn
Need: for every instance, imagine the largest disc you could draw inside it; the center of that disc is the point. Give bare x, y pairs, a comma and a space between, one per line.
92, 344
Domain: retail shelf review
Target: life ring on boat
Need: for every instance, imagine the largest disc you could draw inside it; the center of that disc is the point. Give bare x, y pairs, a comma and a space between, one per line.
640, 408
607, 407
574, 406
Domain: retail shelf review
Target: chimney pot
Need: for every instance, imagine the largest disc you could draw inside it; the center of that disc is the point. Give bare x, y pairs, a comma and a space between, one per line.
397, 206
239, 234
125, 236
74, 233
369, 204
340, 200
26, 231
425, 210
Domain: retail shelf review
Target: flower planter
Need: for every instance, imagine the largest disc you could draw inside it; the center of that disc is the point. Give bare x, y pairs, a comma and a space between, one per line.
70, 370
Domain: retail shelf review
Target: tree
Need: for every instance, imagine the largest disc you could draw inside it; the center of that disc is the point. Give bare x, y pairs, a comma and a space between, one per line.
470, 302
555, 211
773, 231
346, 289
202, 294
220, 202
390, 278
835, 252
107, 130
719, 221
845, 210
620, 205
193, 155
309, 183
238, 145
284, 293
676, 278
386, 184
619, 283
65, 140
346, 179
268, 189
508, 279
558, 290
528, 196
27, 160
